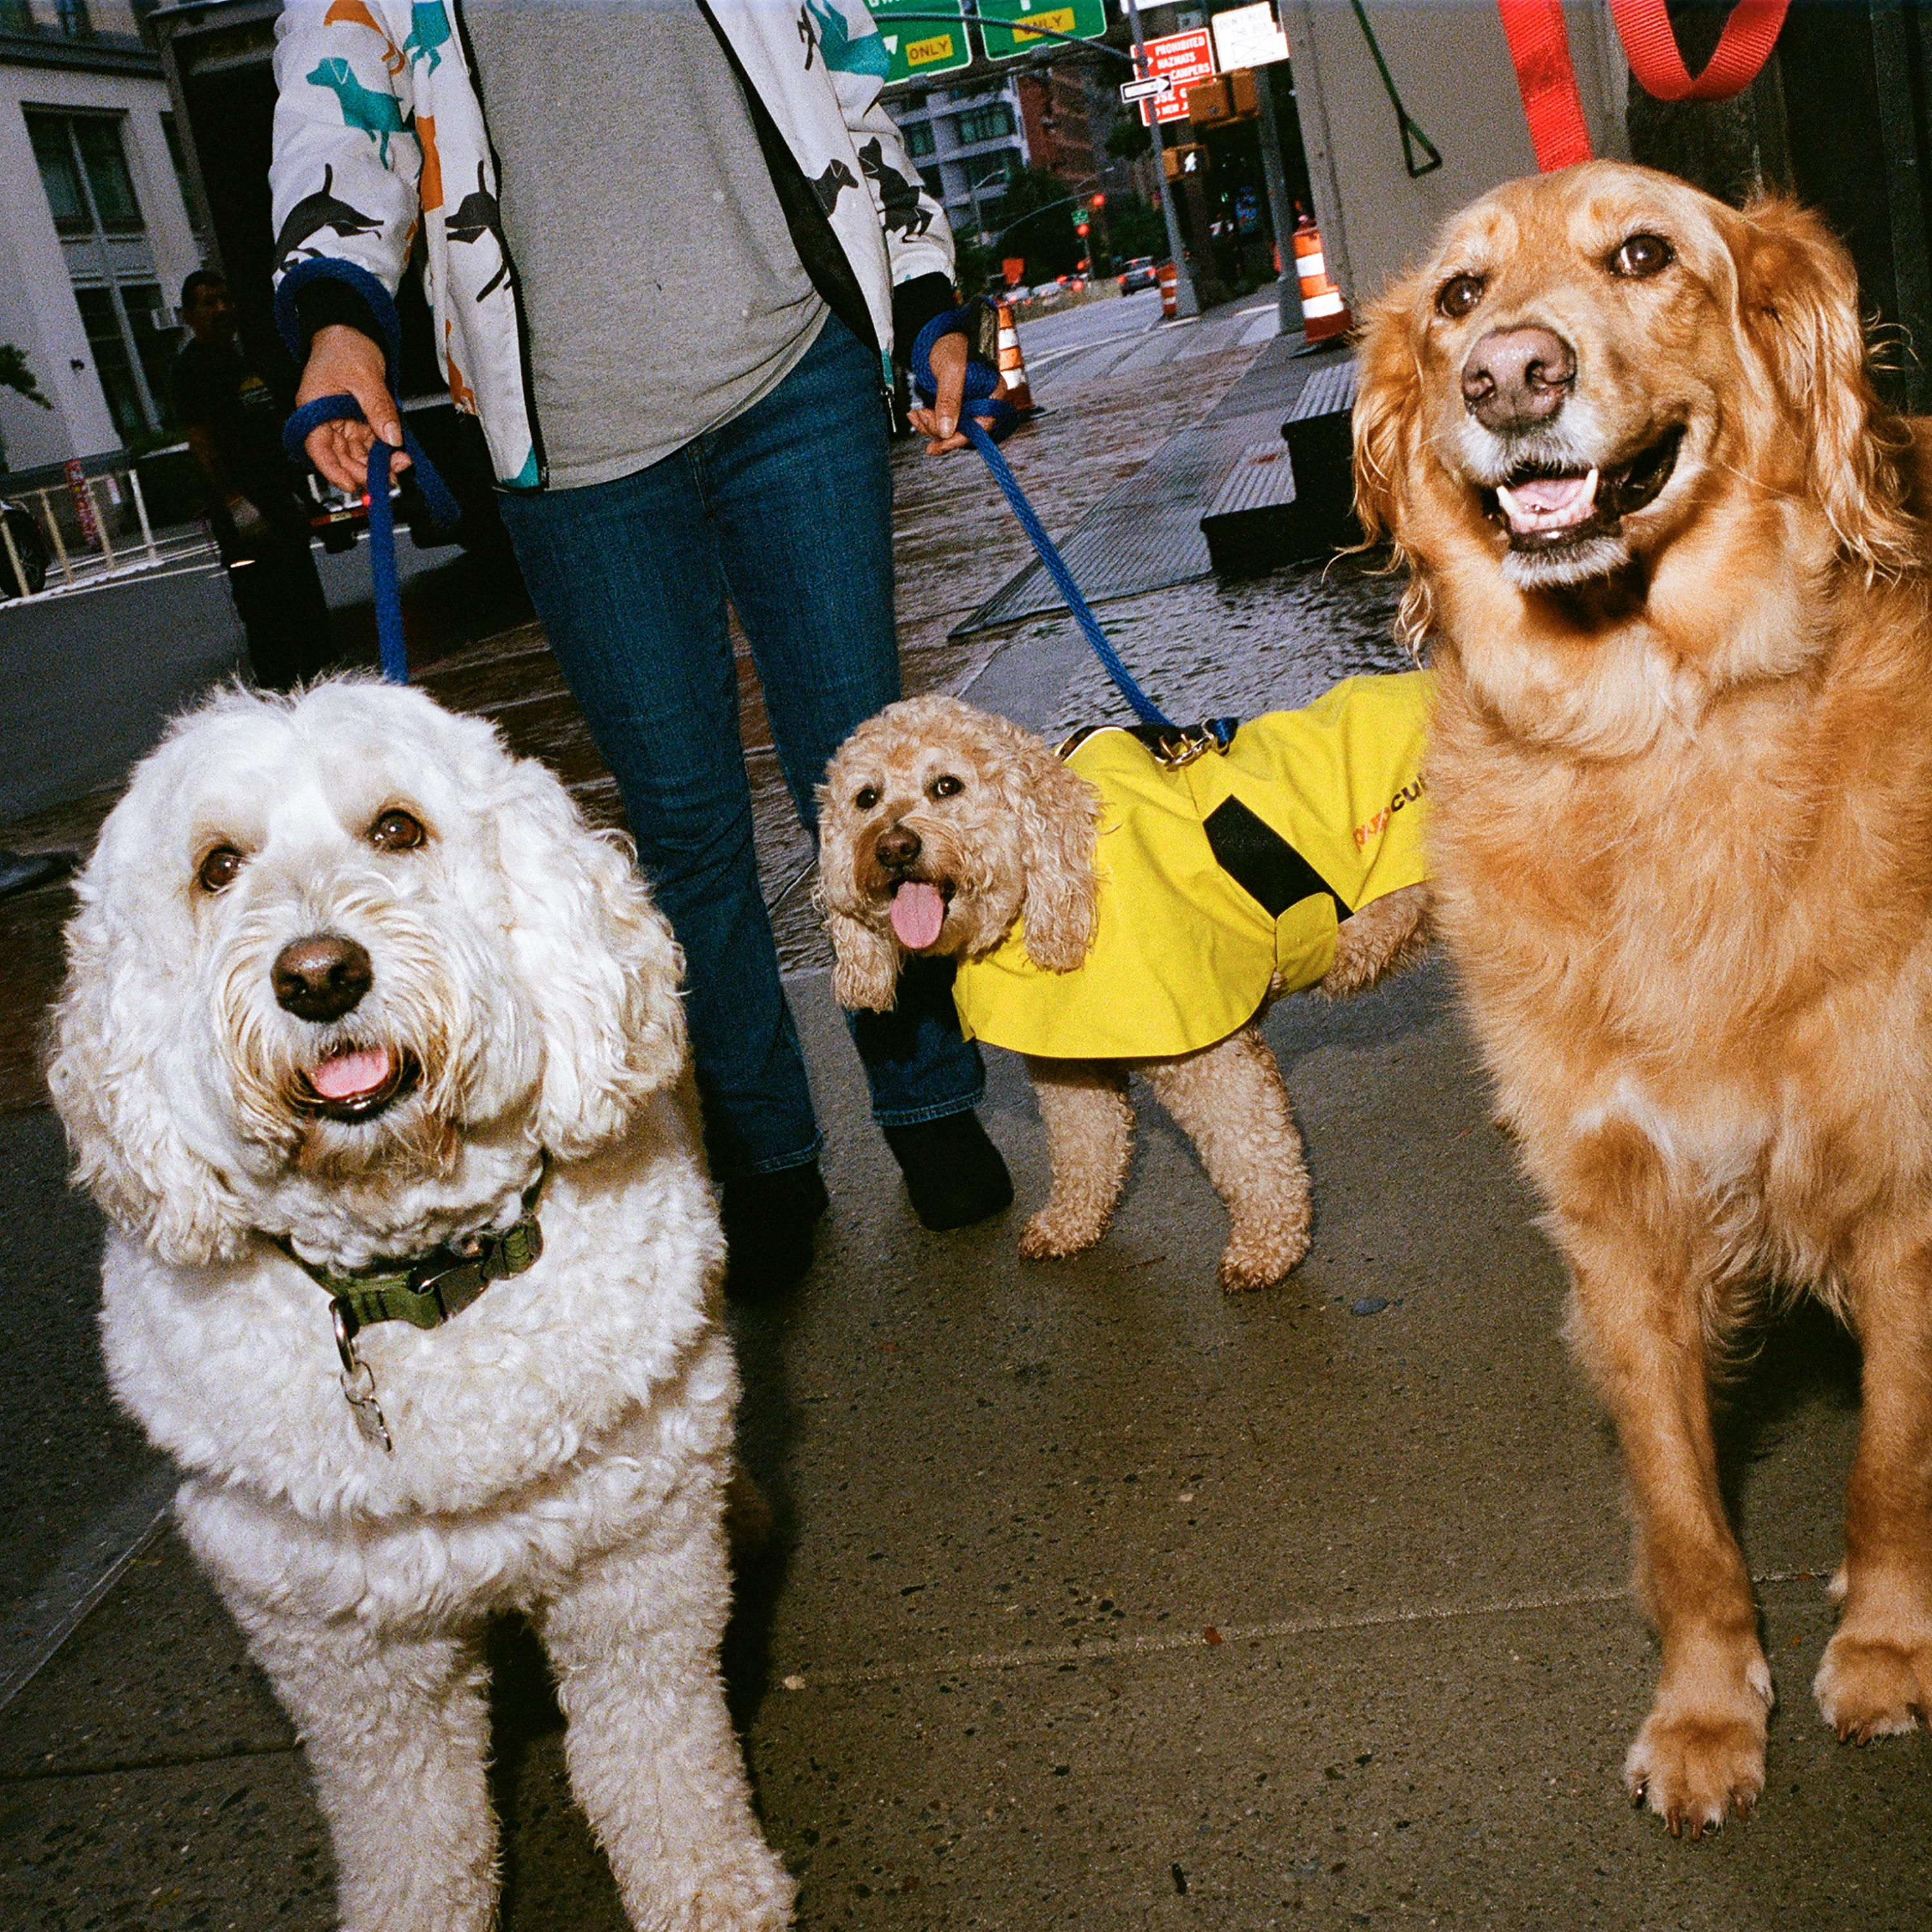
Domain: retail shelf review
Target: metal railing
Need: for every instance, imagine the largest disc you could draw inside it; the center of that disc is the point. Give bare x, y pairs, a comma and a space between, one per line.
94, 530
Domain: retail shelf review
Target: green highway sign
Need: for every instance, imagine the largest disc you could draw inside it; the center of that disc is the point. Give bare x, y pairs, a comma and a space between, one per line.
1003, 24
924, 47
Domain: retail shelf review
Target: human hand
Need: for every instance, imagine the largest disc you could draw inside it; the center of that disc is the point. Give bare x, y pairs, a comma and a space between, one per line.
343, 361
249, 522
940, 424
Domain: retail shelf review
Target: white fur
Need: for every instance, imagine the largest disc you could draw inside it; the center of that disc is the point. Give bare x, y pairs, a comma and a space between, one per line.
562, 1446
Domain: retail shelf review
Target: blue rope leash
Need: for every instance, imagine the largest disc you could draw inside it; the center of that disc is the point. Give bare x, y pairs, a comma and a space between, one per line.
443, 506
983, 405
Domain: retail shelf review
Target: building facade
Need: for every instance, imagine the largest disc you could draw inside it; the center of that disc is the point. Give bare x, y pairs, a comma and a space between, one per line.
94, 231
967, 142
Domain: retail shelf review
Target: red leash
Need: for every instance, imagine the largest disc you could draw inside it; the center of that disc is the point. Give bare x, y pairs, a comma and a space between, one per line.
1539, 47
1742, 49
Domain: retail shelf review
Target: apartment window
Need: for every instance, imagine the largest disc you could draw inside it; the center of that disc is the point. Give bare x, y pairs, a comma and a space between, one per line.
986, 123
84, 170
919, 141
70, 17
90, 192
16, 17
112, 362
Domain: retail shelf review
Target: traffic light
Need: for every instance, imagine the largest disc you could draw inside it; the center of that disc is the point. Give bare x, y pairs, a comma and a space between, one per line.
1080, 229
1099, 201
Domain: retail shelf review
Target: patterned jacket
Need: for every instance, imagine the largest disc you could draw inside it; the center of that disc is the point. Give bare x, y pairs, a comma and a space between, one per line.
378, 127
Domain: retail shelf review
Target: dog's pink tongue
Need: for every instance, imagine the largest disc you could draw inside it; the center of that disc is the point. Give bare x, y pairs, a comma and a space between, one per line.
919, 910
347, 1075
1540, 503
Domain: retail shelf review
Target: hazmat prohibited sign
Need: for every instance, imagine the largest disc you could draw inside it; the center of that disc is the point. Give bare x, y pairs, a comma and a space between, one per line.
1003, 24
1180, 60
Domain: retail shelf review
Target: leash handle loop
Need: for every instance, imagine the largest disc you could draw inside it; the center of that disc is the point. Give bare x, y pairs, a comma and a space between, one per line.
442, 507
983, 405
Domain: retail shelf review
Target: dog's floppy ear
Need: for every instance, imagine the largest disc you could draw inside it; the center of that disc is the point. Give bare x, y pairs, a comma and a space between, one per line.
1058, 814
1386, 426
865, 964
126, 1119
1388, 401
1798, 295
598, 961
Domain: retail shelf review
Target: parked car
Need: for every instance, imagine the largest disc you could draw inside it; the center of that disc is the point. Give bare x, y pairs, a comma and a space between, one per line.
1140, 273
29, 545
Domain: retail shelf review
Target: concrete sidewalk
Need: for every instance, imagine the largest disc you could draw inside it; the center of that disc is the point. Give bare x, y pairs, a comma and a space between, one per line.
1098, 1599
1102, 1599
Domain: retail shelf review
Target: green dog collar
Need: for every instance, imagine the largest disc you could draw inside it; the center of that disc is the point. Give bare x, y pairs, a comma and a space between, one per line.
429, 1289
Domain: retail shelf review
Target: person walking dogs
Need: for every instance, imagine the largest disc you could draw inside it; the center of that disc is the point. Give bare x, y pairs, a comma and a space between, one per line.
669, 246
233, 423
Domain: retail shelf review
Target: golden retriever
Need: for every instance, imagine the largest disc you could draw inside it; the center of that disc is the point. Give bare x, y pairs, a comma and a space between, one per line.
1663, 535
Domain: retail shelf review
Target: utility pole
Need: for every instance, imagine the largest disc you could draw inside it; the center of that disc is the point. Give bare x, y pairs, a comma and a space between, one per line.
1185, 302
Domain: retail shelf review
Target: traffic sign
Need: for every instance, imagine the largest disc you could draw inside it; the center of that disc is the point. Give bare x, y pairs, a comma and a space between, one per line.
1249, 36
1181, 59
1157, 89
922, 47
1003, 24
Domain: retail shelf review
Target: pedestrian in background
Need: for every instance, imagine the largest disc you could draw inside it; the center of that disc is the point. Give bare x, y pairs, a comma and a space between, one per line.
667, 269
232, 421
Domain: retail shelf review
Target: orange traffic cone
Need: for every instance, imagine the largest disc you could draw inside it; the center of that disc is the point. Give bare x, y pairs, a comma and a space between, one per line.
1012, 365
1324, 312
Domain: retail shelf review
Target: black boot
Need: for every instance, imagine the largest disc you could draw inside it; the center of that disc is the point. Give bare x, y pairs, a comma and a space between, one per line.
768, 1219
952, 1172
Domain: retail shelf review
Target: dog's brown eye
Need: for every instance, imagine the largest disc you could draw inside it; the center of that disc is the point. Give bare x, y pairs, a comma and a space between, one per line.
220, 869
865, 797
1458, 296
946, 786
1641, 256
396, 832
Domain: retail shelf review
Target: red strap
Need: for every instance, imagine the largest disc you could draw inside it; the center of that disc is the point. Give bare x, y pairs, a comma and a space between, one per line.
1540, 46
1742, 49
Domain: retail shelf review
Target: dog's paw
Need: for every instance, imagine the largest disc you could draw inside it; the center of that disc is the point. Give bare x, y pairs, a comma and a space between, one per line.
1259, 1256
1871, 1686
1692, 1766
1052, 1235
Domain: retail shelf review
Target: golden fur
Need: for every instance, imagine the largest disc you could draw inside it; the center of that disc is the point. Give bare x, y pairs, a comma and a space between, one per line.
1681, 839
1003, 826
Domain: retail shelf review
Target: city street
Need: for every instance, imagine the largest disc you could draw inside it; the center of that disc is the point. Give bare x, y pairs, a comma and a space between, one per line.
1098, 1598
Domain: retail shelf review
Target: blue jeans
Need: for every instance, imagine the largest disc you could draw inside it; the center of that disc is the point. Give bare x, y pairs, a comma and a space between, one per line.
787, 511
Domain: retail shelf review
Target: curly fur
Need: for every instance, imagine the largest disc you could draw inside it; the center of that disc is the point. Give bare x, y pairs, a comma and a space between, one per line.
1006, 831
562, 1446
1682, 844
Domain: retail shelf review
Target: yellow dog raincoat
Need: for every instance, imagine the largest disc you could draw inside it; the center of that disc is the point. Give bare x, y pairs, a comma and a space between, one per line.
1217, 875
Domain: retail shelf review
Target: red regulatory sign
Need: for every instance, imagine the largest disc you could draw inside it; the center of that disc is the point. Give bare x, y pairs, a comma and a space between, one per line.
1183, 58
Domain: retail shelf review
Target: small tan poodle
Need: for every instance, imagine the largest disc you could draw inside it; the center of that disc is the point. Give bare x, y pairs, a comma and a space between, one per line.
1112, 912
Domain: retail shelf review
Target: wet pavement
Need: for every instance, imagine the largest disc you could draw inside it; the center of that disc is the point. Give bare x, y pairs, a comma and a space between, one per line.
1098, 1599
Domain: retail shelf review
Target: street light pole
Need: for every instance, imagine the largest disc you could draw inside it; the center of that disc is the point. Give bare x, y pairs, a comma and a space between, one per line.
1185, 302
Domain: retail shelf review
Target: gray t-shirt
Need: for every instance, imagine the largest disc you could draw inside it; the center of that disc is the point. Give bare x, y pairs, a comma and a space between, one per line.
661, 289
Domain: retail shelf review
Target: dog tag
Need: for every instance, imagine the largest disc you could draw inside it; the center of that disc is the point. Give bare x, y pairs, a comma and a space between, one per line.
360, 1391
358, 1386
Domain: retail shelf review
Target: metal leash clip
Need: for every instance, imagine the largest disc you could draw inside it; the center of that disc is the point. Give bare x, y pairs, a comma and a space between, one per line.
358, 1383
1184, 743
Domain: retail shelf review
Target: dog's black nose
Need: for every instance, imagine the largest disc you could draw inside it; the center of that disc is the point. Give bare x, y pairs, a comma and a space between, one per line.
321, 977
898, 846
1517, 378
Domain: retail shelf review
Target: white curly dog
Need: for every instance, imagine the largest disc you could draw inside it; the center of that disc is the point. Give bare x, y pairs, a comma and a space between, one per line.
373, 1053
